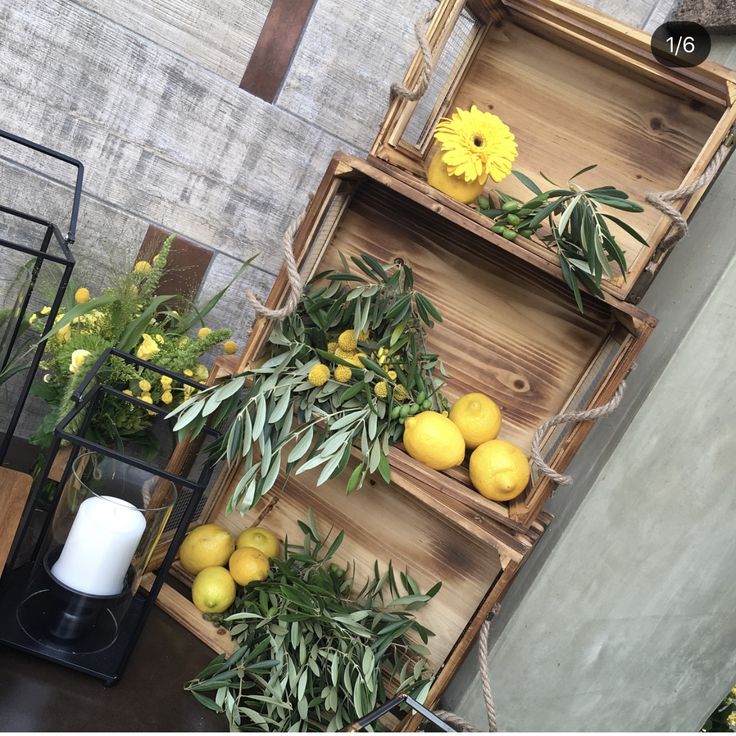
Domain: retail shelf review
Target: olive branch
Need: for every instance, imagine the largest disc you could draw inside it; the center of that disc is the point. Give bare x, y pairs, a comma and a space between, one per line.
276, 411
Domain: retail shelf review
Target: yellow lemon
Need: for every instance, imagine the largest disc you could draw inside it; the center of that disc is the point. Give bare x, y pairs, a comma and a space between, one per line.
213, 590
205, 546
434, 440
259, 538
247, 565
499, 470
453, 186
477, 417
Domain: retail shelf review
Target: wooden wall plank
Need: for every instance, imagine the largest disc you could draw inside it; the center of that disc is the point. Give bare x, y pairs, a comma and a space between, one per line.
275, 48
163, 138
350, 53
218, 34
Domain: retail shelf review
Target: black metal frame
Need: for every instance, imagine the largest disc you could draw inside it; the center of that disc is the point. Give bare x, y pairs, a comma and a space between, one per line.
107, 665
389, 705
41, 255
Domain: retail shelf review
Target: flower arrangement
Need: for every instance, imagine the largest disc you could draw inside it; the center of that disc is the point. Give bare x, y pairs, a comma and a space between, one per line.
350, 365
131, 317
476, 145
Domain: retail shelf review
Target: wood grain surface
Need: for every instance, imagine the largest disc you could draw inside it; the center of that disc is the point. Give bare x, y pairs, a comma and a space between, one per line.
14, 490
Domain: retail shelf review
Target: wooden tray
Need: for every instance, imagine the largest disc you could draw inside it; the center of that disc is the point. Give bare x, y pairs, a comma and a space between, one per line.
577, 87
511, 331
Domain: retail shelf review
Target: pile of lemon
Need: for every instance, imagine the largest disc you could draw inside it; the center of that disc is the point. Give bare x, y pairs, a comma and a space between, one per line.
498, 469
219, 562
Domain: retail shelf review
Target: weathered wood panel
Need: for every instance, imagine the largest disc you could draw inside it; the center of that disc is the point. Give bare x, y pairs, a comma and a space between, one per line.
217, 34
162, 137
350, 53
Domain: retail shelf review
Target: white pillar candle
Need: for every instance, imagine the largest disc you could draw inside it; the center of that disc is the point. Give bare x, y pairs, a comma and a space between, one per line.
100, 546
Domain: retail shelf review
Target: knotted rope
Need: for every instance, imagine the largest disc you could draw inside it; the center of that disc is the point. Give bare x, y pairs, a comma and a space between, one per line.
457, 721
425, 73
296, 285
661, 200
570, 416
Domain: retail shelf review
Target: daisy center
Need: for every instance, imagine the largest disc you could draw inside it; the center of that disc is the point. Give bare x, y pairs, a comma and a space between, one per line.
478, 141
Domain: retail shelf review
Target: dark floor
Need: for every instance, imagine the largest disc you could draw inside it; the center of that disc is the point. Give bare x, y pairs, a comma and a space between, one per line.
36, 695
39, 696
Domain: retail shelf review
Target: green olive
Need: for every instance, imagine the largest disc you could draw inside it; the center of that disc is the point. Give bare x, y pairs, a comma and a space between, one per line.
513, 219
498, 229
511, 206
402, 420
413, 409
404, 411
510, 234
427, 404
421, 396
395, 412
484, 203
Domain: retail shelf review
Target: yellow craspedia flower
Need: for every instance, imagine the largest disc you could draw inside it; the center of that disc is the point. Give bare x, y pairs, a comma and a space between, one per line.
166, 382
331, 347
731, 720
128, 392
142, 267
32, 318
476, 145
229, 347
45, 311
392, 375
354, 359
167, 397
64, 334
344, 354
201, 372
146, 397
160, 339
203, 332
148, 348
81, 295
319, 375
381, 389
78, 359
343, 374
144, 386
188, 372
347, 340
400, 393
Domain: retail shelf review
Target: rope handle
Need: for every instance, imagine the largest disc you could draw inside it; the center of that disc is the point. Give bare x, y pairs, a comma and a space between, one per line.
421, 29
296, 284
661, 200
537, 458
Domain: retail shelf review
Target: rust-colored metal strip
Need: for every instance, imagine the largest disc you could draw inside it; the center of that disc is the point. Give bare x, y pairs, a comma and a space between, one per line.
186, 266
269, 63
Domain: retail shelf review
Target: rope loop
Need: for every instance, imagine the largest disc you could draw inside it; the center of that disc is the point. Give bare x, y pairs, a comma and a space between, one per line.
421, 27
569, 416
661, 200
296, 285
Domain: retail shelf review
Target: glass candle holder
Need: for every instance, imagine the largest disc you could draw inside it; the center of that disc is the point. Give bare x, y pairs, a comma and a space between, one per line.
106, 526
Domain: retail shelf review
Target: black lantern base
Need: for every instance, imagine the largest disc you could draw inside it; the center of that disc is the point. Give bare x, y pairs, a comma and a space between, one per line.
37, 623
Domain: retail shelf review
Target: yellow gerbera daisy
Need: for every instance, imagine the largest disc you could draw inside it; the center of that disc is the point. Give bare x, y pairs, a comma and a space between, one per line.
476, 145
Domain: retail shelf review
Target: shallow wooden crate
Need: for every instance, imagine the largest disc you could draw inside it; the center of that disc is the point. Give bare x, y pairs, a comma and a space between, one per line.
577, 88
509, 330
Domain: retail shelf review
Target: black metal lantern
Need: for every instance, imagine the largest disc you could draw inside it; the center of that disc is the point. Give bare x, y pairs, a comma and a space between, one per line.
71, 592
41, 248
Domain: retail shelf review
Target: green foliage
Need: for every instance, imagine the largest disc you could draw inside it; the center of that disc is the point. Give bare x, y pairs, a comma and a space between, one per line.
128, 316
723, 719
577, 230
313, 655
277, 412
